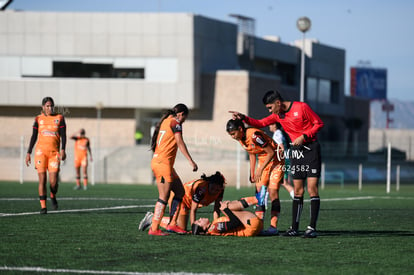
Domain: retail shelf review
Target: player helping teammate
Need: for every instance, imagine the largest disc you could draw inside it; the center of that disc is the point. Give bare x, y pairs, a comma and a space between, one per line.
198, 193
267, 174
302, 124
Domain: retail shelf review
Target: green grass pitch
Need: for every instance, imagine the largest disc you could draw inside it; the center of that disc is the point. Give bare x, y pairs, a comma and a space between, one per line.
95, 232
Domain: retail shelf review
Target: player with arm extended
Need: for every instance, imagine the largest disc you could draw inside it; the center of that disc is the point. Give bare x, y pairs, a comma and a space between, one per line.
267, 174
235, 222
82, 147
198, 193
166, 140
302, 124
49, 131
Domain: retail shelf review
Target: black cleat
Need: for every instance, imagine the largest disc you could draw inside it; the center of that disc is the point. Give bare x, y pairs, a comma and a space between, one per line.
54, 203
291, 233
310, 233
43, 211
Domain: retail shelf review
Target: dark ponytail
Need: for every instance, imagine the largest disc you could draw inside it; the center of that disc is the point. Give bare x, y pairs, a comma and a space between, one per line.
174, 111
216, 178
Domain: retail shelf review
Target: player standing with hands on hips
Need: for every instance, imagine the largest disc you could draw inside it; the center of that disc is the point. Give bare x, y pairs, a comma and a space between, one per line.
167, 138
49, 129
302, 124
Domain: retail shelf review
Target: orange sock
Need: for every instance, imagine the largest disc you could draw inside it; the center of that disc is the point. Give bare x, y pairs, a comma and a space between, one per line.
158, 214
274, 219
85, 181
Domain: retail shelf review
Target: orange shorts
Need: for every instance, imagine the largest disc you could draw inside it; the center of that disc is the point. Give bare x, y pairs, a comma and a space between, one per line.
272, 175
47, 161
81, 161
163, 172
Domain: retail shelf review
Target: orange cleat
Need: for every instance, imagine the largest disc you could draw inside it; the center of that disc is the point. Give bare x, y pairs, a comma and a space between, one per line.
157, 233
175, 229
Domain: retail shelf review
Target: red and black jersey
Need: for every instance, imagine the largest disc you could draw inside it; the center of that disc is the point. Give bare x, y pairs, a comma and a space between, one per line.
299, 119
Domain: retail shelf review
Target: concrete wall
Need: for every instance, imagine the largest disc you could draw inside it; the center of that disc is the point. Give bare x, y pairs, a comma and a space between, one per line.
161, 43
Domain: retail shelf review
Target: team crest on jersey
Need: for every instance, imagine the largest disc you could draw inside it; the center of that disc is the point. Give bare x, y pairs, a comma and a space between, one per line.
56, 121
295, 113
41, 122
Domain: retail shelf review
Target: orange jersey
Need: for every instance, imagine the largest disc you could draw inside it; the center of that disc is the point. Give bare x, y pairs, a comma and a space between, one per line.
81, 147
166, 148
81, 151
197, 190
48, 131
255, 141
252, 228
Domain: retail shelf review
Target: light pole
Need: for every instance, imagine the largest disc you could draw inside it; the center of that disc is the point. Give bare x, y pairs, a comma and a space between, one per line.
99, 107
303, 24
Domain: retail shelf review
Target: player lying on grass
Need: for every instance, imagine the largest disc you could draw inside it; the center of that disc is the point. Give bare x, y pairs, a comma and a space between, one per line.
236, 222
198, 193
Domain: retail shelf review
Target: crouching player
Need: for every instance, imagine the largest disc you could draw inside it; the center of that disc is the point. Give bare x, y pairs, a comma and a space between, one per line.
198, 193
236, 222
267, 174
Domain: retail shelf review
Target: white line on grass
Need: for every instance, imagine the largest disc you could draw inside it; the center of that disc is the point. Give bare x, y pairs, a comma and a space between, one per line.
77, 199
76, 210
78, 271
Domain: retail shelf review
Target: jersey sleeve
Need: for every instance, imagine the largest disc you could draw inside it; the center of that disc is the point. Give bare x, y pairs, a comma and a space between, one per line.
231, 224
314, 119
259, 140
176, 126
260, 123
199, 194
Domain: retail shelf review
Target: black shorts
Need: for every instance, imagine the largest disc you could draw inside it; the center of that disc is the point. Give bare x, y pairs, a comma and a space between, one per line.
305, 160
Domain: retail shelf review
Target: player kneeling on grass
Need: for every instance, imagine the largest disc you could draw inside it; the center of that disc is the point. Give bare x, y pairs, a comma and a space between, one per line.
236, 222
198, 193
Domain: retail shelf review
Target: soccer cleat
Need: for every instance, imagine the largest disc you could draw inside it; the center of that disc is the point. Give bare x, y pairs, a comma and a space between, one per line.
85, 188
157, 233
271, 231
291, 233
43, 211
175, 229
54, 203
77, 187
146, 221
310, 233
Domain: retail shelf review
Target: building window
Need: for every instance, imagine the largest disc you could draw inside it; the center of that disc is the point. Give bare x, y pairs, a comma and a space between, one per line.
90, 70
322, 90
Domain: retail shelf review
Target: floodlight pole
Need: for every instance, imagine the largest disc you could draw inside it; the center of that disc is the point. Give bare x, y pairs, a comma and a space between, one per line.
303, 24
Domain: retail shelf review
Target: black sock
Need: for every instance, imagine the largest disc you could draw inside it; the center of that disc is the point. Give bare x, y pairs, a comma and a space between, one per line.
174, 206
314, 211
297, 207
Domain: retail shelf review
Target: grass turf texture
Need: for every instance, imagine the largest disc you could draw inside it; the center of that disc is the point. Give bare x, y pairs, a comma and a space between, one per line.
371, 233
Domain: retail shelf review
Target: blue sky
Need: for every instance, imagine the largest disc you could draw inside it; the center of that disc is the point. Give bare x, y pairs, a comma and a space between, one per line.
378, 31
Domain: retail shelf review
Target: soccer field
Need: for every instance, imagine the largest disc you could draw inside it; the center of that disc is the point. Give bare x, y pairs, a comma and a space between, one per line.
95, 232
